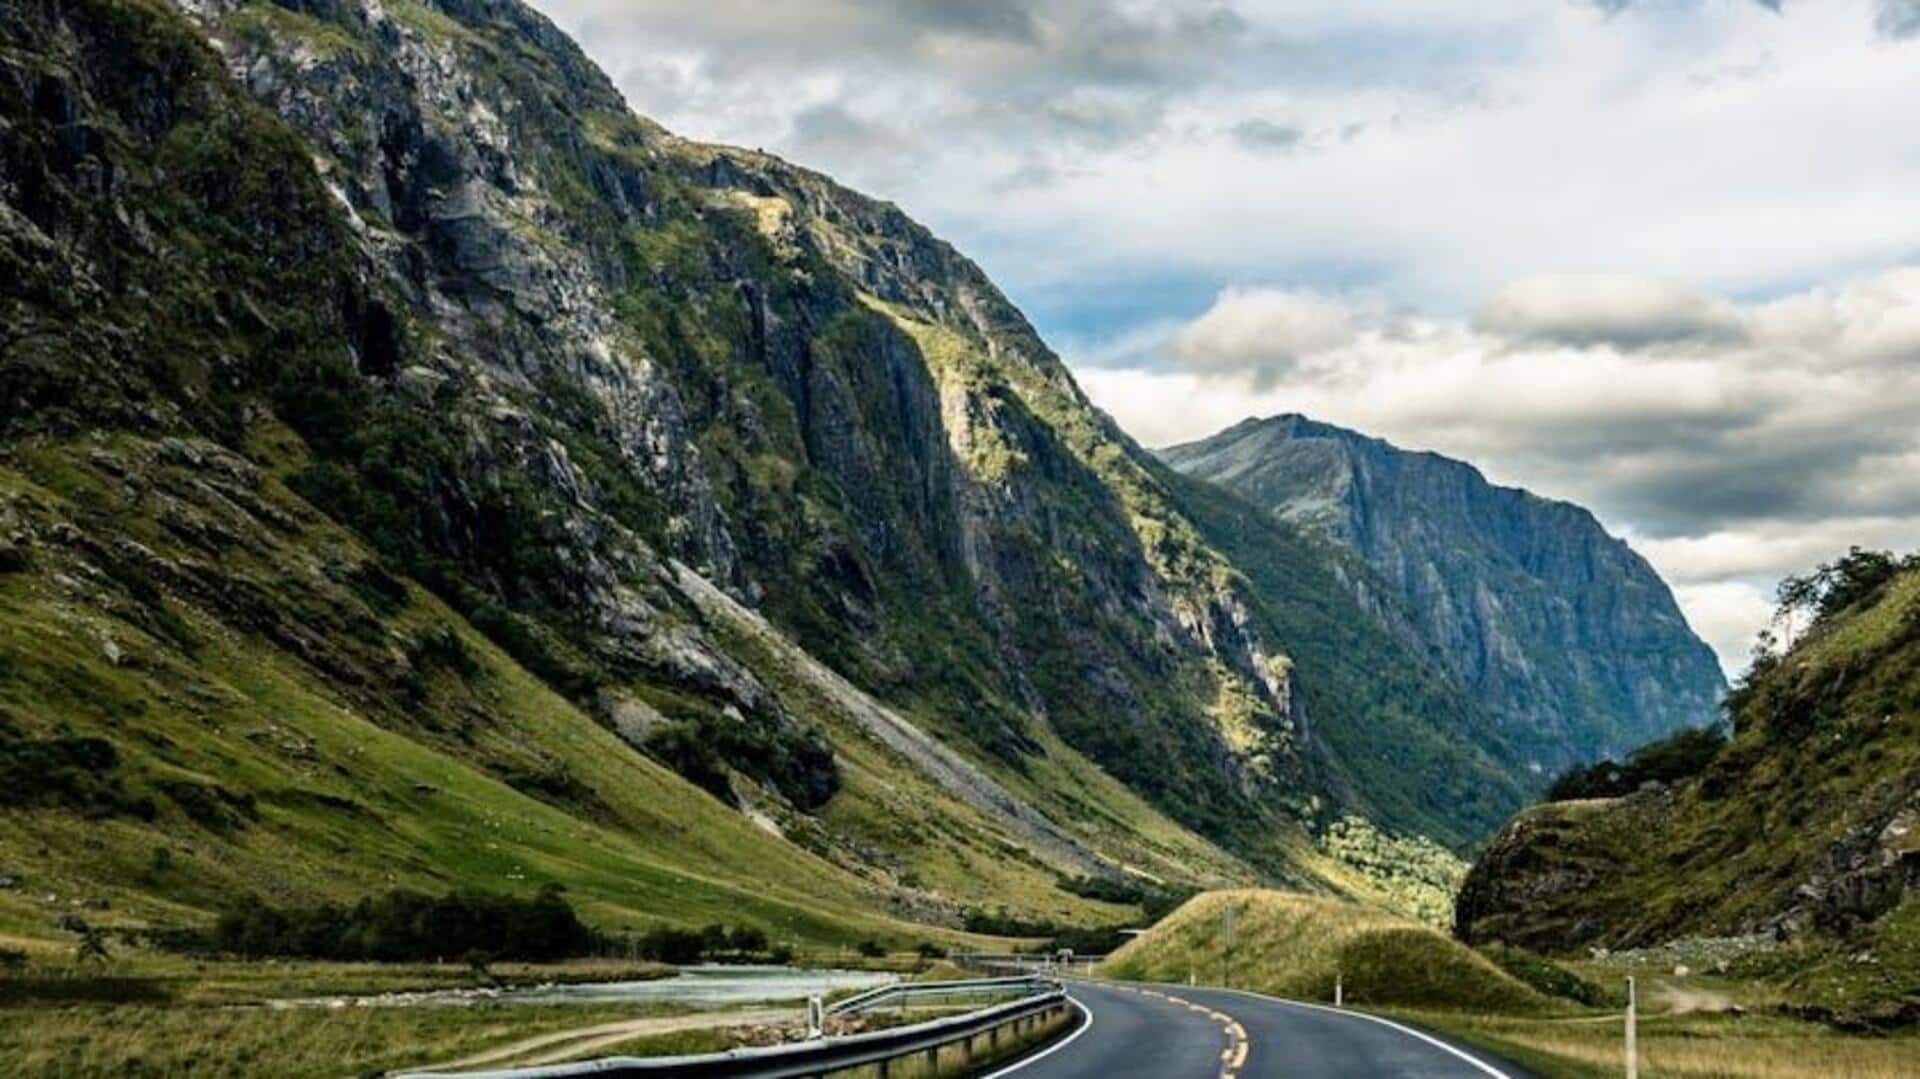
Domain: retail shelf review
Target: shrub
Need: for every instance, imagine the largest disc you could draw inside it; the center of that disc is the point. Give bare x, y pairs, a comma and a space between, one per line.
747, 940
1545, 975
405, 925
669, 945
1680, 756
1852, 580
1155, 901
80, 773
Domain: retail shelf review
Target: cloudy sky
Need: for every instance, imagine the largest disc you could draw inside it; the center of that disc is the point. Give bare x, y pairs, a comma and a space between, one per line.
1648, 255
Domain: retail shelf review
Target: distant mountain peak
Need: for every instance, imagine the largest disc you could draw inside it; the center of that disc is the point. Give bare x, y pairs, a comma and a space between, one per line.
1560, 628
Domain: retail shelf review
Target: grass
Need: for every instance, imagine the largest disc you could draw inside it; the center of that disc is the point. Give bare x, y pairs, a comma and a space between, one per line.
352, 794
672, 1044
135, 1040
135, 975
1296, 946
1691, 1046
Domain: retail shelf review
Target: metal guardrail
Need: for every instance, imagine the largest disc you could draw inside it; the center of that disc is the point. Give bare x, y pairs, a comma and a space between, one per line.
935, 992
821, 1056
1033, 963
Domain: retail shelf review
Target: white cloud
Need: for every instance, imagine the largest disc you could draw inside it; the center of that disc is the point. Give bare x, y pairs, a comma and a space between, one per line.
1431, 149
1728, 615
1730, 459
1616, 309
1263, 331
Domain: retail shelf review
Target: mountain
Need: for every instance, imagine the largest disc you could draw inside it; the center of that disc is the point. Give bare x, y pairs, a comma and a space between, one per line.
1798, 840
1564, 633
419, 469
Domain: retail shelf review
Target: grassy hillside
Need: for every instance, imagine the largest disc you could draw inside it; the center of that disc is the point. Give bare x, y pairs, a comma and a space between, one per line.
1295, 946
166, 754
1804, 827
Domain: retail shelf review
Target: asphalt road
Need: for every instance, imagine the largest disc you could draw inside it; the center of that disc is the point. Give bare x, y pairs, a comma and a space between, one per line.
1197, 1033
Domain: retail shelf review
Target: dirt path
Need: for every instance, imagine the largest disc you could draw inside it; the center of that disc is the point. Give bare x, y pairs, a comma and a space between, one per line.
1682, 999
559, 1045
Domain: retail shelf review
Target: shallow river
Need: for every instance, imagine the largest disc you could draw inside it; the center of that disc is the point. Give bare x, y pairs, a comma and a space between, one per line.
702, 986
716, 985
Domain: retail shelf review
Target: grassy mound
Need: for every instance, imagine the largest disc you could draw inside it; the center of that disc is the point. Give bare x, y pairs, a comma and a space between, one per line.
1295, 946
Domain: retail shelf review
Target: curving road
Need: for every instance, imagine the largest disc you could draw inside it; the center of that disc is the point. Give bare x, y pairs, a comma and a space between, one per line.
1177, 1032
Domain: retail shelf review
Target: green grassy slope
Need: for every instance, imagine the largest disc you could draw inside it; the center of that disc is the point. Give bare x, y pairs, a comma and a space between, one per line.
1802, 827
1296, 946
402, 749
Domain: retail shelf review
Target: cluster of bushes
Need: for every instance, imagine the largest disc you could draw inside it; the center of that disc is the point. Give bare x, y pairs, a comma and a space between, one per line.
1155, 901
1852, 580
1056, 935
408, 926
1002, 924
1680, 756
1545, 975
79, 773
405, 925
715, 943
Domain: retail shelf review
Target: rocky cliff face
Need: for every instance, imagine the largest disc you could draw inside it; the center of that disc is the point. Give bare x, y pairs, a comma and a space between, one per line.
752, 470
1562, 630
659, 350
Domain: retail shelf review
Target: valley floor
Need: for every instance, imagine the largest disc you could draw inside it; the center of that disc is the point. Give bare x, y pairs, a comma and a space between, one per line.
153, 1014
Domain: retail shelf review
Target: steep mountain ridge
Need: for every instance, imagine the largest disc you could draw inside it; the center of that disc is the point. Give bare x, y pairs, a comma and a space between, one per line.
527, 445
1562, 630
827, 353
773, 374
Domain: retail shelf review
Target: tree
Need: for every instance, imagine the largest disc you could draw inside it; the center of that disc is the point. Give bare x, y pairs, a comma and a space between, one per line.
478, 965
92, 947
1849, 581
747, 939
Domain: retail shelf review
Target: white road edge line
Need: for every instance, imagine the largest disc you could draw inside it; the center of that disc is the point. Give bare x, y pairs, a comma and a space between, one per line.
1496, 1073
1051, 1049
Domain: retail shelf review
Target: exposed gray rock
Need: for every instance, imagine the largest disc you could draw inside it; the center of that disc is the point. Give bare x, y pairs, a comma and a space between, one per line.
1561, 629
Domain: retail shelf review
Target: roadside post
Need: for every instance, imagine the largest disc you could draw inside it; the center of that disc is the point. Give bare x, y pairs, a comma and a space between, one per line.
816, 1019
1226, 951
1633, 1033
1339, 993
